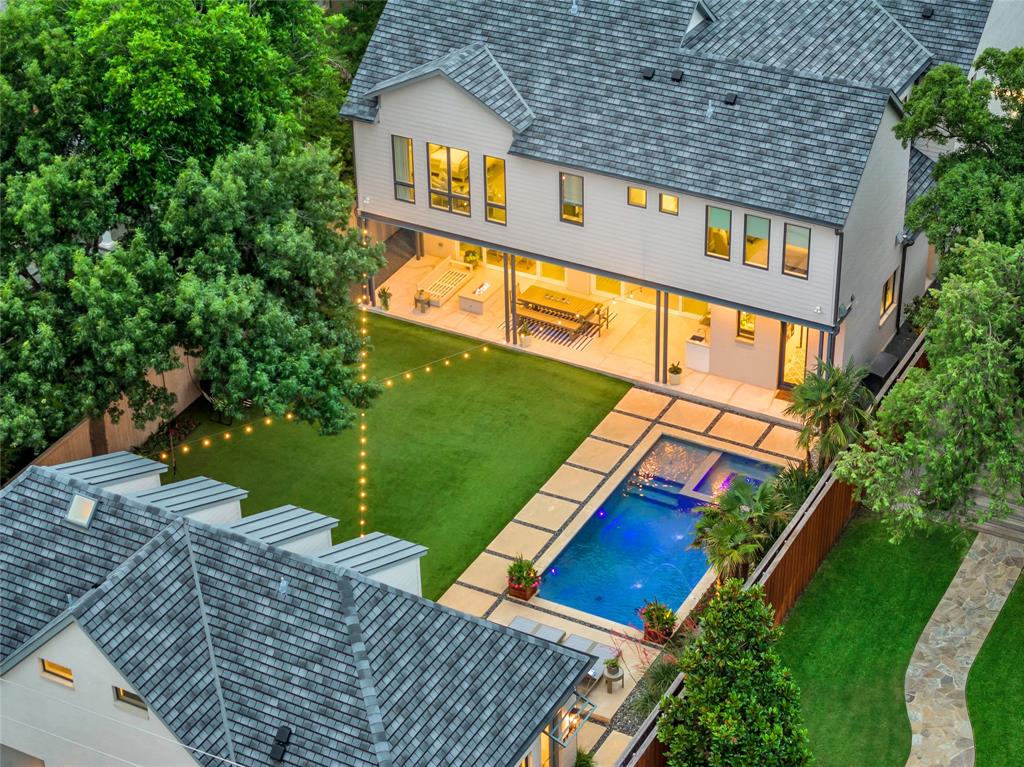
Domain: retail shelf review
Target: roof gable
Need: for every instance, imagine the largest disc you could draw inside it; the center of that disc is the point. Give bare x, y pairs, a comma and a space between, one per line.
952, 32
475, 70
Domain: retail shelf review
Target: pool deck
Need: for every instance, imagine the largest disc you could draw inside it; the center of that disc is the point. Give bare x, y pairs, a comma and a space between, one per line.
566, 501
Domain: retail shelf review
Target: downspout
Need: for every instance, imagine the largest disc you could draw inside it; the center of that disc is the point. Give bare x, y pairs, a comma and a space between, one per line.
835, 301
907, 240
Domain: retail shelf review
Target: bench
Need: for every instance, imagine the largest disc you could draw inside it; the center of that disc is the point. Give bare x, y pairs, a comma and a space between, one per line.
573, 326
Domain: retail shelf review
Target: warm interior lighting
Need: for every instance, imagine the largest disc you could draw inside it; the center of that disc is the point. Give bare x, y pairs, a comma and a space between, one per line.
57, 672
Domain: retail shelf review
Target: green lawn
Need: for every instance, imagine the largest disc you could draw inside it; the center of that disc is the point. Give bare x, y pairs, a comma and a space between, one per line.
850, 637
995, 688
452, 455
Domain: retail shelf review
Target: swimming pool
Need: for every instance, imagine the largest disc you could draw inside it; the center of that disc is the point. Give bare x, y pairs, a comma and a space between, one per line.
636, 545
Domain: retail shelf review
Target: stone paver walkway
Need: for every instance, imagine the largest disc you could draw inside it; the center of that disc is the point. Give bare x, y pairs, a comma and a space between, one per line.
936, 680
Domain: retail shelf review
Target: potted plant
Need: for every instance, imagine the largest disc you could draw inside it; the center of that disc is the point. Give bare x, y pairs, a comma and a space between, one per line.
472, 257
659, 621
384, 294
422, 301
525, 334
523, 578
675, 374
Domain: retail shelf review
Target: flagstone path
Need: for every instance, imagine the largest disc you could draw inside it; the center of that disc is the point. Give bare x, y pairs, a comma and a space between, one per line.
936, 679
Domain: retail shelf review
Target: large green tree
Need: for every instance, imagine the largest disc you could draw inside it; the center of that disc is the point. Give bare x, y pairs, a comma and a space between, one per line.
958, 424
979, 181
191, 130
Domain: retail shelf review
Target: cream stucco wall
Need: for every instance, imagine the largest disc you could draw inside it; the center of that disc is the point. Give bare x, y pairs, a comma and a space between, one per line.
80, 726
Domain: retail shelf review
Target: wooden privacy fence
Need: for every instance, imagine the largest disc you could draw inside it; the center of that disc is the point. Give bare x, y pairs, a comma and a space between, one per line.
789, 565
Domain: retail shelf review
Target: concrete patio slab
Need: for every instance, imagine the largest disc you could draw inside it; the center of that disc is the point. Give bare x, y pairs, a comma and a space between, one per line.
690, 415
588, 735
613, 747
620, 428
598, 454
643, 403
716, 388
467, 600
570, 482
739, 428
519, 540
547, 512
486, 572
783, 441
750, 397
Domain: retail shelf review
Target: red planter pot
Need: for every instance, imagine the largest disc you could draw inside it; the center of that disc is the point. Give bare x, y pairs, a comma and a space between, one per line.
522, 592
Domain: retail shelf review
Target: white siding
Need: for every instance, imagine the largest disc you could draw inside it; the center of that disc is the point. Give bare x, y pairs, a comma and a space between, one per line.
404, 575
310, 545
221, 514
634, 243
870, 251
94, 730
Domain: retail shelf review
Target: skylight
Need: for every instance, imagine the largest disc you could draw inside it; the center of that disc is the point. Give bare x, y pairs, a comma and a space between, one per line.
80, 511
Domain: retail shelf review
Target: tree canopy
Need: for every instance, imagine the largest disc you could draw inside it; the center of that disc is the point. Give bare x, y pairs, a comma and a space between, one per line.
205, 135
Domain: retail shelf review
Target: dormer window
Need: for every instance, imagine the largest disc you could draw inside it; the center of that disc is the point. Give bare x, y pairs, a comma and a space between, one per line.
80, 511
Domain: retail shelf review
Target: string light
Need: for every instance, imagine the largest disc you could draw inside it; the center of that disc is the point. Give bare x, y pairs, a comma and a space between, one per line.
248, 428
227, 435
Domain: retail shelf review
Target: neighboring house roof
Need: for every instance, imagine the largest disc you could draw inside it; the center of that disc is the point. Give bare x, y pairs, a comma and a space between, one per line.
371, 553
952, 33
920, 179
111, 468
792, 143
856, 40
227, 639
474, 69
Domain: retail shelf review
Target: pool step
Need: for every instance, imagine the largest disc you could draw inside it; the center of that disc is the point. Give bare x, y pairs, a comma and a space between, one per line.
653, 495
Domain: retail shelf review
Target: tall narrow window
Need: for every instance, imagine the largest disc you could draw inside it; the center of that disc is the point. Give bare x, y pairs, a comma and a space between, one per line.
745, 323
494, 176
571, 198
449, 178
719, 222
57, 672
796, 258
668, 203
401, 155
888, 294
636, 196
755, 241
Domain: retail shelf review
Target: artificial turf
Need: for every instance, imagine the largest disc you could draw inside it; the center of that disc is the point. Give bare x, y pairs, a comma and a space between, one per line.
850, 637
995, 688
452, 455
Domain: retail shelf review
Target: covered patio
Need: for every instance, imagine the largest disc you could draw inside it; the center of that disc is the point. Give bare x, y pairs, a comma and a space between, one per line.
590, 320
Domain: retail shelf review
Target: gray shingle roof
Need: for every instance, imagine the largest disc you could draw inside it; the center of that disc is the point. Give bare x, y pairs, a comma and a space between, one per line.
952, 33
920, 179
111, 468
793, 143
371, 553
199, 622
854, 40
194, 494
474, 69
283, 524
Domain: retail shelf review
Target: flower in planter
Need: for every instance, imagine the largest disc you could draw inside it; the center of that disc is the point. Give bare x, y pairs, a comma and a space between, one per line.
659, 621
522, 575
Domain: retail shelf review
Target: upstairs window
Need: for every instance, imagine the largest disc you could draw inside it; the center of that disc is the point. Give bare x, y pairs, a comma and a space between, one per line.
888, 294
571, 198
401, 156
755, 241
449, 179
795, 259
494, 180
57, 672
719, 224
636, 196
668, 203
745, 324
80, 510
121, 695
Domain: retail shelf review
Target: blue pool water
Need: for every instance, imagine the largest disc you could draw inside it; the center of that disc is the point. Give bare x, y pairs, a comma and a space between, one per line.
636, 546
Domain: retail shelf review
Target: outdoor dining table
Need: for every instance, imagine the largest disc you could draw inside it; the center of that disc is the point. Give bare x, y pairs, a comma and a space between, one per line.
563, 304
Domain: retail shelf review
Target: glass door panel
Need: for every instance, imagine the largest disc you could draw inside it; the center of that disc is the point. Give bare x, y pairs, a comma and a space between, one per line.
792, 355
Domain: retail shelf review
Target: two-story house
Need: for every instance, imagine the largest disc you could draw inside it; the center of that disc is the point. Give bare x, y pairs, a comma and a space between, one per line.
145, 624
634, 183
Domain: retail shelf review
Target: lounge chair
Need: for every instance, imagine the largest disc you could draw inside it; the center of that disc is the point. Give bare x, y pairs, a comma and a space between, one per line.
539, 630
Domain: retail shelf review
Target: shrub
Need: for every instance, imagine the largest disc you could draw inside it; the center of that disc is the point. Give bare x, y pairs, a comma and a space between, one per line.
659, 620
584, 759
740, 706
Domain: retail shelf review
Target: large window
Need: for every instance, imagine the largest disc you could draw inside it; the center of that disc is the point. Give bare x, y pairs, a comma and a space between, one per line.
570, 190
607, 285
755, 241
668, 203
745, 324
798, 251
449, 178
494, 178
719, 222
636, 196
401, 156
552, 271
888, 294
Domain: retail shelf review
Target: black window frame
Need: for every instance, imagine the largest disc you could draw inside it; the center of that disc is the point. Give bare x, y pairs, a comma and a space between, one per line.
562, 175
661, 204
410, 185
707, 226
639, 189
449, 194
785, 242
487, 203
746, 228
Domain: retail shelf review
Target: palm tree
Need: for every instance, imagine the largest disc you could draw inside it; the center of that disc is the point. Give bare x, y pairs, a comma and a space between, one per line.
832, 404
733, 528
